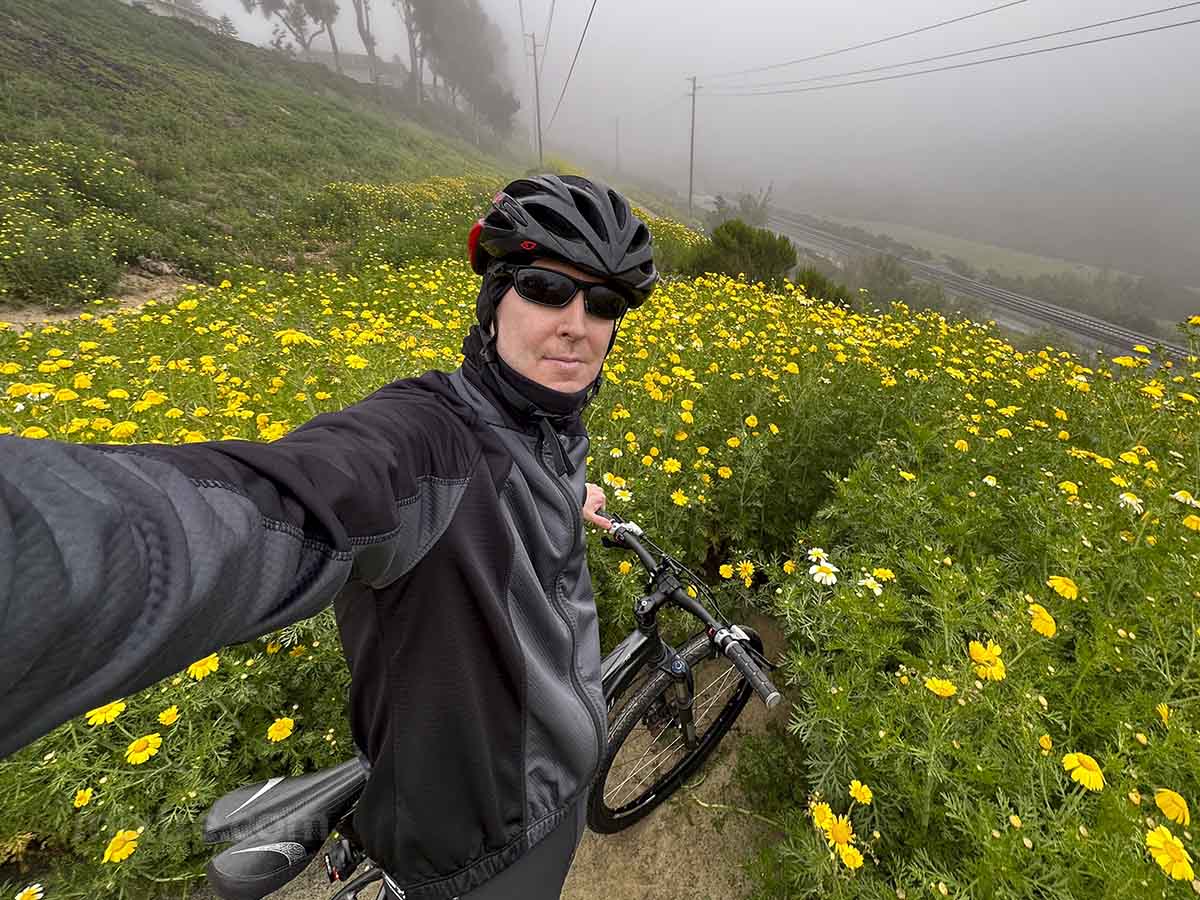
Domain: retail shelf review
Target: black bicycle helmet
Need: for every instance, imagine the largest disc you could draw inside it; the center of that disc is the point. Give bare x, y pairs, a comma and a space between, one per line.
574, 220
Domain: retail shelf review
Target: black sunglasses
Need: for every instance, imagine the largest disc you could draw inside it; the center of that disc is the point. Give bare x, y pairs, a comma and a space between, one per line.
548, 287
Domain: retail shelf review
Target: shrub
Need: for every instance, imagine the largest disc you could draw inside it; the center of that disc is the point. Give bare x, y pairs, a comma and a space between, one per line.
740, 249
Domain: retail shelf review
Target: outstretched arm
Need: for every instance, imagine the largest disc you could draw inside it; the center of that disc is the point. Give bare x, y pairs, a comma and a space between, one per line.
120, 565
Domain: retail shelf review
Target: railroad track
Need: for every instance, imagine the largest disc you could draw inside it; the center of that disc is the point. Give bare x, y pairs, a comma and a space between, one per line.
1068, 320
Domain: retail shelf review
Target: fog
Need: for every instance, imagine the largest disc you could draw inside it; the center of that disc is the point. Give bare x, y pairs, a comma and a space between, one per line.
1087, 153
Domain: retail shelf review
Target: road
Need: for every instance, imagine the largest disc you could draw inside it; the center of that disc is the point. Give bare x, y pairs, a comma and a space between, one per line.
1040, 311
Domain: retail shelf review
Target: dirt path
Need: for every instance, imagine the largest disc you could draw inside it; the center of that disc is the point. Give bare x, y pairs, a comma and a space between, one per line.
134, 289
675, 852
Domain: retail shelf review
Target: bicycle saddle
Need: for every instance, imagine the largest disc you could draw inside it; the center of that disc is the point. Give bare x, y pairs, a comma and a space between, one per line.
280, 825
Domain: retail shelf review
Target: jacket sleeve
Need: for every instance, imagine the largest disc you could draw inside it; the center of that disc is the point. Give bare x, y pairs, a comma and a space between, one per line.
123, 564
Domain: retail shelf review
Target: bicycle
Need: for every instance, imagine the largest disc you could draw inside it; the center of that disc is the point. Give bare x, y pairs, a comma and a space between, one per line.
280, 825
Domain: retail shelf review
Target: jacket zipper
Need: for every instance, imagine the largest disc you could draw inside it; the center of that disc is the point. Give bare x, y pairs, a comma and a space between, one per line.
547, 434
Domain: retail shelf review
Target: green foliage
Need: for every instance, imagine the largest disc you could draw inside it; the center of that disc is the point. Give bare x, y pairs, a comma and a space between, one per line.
69, 220
737, 248
150, 93
816, 285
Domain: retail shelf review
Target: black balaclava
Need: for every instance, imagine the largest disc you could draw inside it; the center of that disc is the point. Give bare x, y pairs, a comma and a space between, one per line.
526, 396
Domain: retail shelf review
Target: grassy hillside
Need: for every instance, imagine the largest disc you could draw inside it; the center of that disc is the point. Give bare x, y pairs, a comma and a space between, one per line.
178, 143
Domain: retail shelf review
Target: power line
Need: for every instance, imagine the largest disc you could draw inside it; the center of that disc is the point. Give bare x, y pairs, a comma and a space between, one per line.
575, 60
916, 62
884, 40
549, 25
966, 65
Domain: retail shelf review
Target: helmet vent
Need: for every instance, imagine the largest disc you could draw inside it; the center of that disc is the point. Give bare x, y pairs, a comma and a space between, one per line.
587, 209
555, 224
641, 237
619, 208
499, 220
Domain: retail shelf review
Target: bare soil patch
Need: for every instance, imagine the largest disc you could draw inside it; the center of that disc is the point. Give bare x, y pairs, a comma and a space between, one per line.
135, 288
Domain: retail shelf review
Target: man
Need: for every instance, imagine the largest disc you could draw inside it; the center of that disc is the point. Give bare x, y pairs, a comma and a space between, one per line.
441, 514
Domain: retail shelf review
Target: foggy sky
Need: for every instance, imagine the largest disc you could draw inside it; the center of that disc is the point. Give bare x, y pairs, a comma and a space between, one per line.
1117, 123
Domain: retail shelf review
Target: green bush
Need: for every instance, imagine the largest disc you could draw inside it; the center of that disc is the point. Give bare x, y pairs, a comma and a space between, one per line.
740, 249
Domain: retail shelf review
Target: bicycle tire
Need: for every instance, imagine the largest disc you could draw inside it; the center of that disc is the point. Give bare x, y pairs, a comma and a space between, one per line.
607, 816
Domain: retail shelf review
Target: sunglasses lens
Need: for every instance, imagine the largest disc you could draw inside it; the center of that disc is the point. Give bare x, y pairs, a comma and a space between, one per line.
544, 286
605, 303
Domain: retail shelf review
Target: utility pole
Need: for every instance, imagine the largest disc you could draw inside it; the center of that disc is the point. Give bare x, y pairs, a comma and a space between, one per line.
521, 10
537, 93
692, 161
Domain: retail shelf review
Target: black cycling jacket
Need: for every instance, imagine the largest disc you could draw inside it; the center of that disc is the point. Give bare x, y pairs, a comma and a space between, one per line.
444, 523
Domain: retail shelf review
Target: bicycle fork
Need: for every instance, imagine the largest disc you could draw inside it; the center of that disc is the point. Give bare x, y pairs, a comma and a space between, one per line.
681, 696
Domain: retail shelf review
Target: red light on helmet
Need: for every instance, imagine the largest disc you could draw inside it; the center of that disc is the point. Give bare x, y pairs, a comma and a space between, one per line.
473, 241
528, 245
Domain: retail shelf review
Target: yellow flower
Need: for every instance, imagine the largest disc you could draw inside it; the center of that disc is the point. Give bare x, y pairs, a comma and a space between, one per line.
123, 430
941, 687
1173, 806
33, 892
103, 715
1045, 743
752, 421
822, 815
1042, 622
861, 792
143, 748
850, 856
354, 361
1014, 820
168, 716
883, 574
1164, 712
121, 846
679, 498
273, 647
745, 569
83, 797
1084, 770
279, 730
907, 476
989, 665
726, 571
1192, 522
625, 567
789, 567
961, 445
202, 668
734, 442
726, 472
1063, 586
839, 832
1194, 321
1068, 487
1168, 852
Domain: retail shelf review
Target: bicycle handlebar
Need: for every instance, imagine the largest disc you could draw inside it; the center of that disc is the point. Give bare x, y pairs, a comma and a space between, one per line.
626, 534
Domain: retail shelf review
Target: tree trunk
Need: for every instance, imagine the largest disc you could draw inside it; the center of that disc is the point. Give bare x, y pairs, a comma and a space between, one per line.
414, 55
337, 57
362, 19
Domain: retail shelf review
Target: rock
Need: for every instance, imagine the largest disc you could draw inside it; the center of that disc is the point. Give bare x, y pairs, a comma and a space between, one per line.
157, 266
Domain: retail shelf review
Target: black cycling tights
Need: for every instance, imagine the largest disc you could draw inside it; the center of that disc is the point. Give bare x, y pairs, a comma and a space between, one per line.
540, 873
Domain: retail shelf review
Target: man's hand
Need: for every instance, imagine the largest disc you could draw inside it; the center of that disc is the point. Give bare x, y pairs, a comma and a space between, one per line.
593, 504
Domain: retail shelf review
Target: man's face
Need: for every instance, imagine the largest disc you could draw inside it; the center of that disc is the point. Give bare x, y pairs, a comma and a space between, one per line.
562, 349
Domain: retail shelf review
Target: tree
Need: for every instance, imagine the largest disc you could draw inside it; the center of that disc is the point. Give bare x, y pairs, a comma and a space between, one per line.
295, 18
362, 20
192, 6
325, 12
226, 28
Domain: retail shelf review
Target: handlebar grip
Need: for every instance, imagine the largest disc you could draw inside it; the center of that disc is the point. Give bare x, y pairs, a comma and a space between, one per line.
757, 677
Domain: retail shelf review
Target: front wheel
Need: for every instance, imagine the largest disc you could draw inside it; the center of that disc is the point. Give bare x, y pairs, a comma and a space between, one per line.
648, 755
